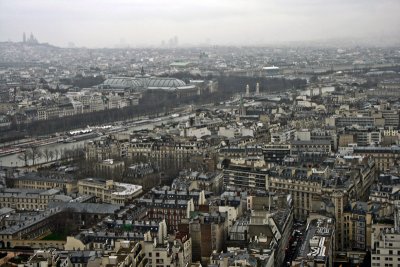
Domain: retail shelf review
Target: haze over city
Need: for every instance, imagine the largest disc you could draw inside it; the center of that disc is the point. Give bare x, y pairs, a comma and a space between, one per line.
208, 133
135, 23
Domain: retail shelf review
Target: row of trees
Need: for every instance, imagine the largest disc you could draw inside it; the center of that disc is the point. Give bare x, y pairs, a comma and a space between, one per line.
68, 222
159, 103
33, 154
235, 84
83, 81
165, 170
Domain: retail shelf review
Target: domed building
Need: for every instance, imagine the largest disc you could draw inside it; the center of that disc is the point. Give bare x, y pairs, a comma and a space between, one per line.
122, 83
165, 83
145, 83
161, 85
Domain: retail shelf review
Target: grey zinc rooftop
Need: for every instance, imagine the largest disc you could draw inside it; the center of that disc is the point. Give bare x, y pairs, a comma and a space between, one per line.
51, 178
26, 193
87, 207
29, 221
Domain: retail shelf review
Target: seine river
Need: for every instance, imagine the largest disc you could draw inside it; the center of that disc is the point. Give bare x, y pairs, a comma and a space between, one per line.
15, 161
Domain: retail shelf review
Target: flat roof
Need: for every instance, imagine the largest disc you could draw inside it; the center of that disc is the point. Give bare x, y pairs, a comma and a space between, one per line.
96, 208
271, 68
319, 232
127, 189
26, 193
311, 142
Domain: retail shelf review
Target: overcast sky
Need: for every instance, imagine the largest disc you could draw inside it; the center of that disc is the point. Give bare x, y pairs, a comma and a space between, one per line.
104, 23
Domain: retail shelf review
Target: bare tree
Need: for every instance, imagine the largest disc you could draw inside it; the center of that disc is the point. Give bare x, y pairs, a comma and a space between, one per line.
51, 155
31, 153
36, 153
78, 153
56, 153
62, 152
46, 153
63, 223
68, 154
24, 156
85, 168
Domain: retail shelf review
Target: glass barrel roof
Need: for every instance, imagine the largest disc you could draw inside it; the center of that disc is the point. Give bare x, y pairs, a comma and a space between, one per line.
153, 83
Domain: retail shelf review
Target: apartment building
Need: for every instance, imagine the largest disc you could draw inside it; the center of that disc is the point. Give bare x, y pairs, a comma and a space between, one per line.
108, 191
167, 251
303, 184
35, 181
318, 246
385, 157
274, 221
171, 205
229, 152
109, 168
245, 174
207, 232
275, 153
357, 225
27, 199
163, 153
367, 122
103, 149
315, 150
126, 253
31, 226
386, 248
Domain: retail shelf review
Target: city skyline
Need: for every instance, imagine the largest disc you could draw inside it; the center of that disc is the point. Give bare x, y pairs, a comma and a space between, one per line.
151, 23
210, 133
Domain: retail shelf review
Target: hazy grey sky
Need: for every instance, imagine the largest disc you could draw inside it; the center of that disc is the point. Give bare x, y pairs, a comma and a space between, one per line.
104, 23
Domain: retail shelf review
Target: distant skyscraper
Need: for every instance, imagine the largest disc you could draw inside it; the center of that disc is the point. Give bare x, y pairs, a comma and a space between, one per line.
24, 38
173, 42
